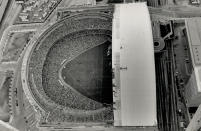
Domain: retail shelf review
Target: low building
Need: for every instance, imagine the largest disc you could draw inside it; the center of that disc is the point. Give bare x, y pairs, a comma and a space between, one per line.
193, 86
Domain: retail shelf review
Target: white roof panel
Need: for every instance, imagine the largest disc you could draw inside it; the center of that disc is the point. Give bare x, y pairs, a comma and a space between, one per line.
134, 43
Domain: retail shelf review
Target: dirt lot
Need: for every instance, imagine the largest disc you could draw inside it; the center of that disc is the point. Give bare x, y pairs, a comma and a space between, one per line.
15, 46
4, 96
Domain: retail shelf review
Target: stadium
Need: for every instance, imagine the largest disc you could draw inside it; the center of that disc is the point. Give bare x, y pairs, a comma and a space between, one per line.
94, 65
73, 76
69, 70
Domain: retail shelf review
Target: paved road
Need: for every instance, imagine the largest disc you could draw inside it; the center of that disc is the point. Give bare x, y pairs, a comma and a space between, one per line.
3, 5
176, 12
19, 110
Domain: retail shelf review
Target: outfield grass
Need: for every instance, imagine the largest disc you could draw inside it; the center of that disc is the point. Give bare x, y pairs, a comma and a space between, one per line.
90, 74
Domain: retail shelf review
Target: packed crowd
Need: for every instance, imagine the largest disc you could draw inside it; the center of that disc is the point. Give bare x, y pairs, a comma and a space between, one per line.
68, 40
101, 115
68, 49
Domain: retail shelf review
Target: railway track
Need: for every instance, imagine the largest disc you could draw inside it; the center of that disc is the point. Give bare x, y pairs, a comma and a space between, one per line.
166, 90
